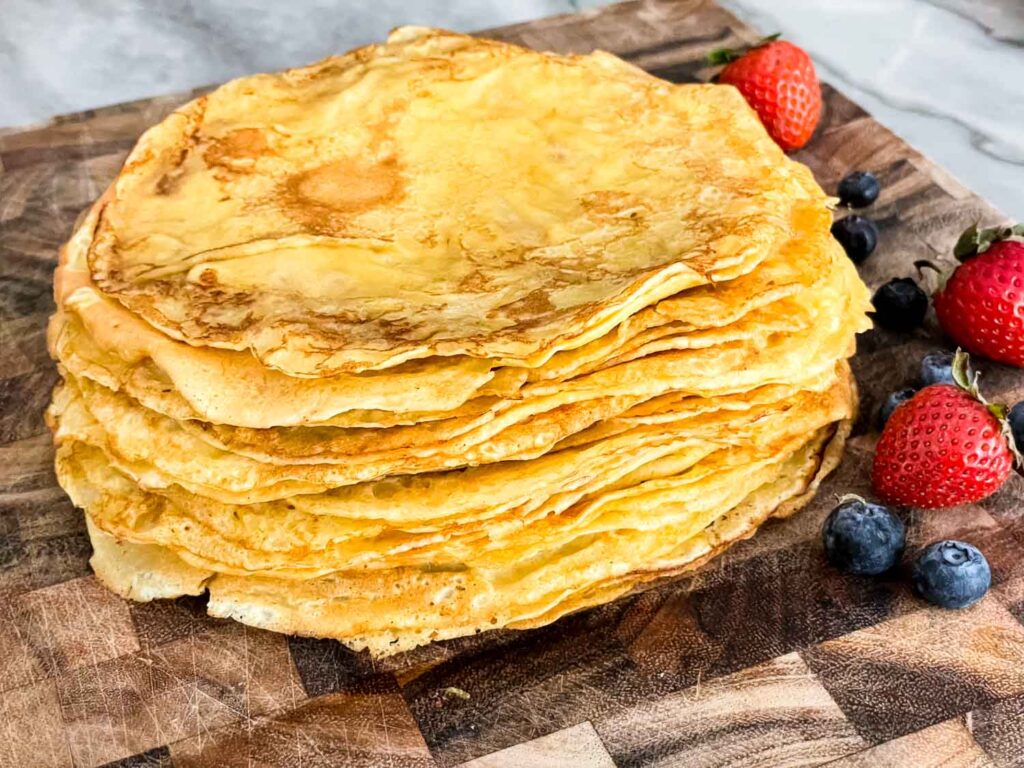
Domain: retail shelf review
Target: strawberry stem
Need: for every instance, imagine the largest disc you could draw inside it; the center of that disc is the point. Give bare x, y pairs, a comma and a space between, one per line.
944, 275
922, 264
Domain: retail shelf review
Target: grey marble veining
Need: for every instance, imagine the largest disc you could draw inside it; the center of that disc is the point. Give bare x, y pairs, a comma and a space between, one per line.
948, 75
1003, 20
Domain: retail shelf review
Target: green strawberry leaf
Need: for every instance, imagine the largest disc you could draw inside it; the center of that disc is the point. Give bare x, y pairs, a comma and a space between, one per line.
1001, 412
966, 380
942, 275
962, 373
967, 244
725, 55
1018, 459
998, 410
974, 241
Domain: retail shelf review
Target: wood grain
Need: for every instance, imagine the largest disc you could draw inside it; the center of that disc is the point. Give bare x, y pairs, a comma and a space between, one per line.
776, 713
575, 747
946, 745
765, 657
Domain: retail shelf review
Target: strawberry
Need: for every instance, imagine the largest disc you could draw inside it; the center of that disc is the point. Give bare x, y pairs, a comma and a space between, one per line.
945, 446
981, 306
778, 80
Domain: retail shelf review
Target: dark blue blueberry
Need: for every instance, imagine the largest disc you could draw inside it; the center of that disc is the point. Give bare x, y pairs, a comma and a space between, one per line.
951, 574
859, 189
900, 305
1016, 418
893, 401
857, 235
863, 538
937, 368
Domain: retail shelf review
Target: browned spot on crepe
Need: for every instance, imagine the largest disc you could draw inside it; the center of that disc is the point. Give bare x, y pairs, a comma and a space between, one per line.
325, 198
533, 305
237, 149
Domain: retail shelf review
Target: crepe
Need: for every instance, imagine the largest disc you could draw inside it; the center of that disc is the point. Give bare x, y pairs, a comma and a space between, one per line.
97, 338
267, 216
403, 609
511, 508
445, 335
238, 464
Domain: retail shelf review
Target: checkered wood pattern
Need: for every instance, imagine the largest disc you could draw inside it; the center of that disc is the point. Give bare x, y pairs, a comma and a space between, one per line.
765, 657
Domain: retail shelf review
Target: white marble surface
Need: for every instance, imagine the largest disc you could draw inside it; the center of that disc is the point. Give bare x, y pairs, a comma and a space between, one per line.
946, 74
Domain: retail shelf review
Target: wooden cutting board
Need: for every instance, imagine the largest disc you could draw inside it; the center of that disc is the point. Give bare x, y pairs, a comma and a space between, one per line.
766, 657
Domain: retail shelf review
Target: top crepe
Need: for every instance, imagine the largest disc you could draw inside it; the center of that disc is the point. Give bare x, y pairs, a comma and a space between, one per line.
320, 218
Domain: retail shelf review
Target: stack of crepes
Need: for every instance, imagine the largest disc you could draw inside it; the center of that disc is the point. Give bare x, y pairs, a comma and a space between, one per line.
445, 335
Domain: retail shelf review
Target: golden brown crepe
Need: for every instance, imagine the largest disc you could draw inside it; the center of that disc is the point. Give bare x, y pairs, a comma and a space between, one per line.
444, 335
438, 195
392, 611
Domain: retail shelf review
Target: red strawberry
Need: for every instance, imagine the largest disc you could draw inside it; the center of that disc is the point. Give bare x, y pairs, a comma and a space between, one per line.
981, 306
778, 80
945, 446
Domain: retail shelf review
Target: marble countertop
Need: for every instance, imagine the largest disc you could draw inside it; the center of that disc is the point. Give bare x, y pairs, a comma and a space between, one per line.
948, 75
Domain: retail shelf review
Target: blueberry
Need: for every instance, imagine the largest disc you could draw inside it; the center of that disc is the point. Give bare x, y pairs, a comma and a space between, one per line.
857, 235
900, 305
859, 189
863, 538
951, 574
896, 399
1016, 417
937, 368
